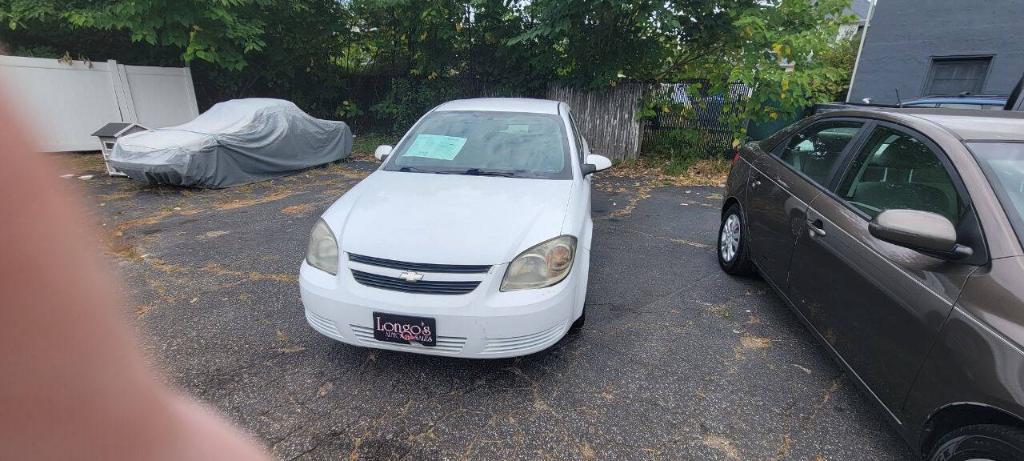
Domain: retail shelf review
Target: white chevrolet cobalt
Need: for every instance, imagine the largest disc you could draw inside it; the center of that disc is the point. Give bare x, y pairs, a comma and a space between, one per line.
472, 239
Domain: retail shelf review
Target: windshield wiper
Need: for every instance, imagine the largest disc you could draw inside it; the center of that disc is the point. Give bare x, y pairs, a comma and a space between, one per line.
480, 172
470, 172
412, 169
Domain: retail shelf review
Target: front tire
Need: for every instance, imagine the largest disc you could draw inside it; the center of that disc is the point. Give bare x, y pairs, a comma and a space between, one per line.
578, 324
733, 251
980, 442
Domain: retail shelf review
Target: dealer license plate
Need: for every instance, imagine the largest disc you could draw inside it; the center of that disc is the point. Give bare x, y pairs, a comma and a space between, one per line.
404, 329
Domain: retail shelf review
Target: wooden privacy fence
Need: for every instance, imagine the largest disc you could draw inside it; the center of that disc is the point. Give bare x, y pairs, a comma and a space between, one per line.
607, 117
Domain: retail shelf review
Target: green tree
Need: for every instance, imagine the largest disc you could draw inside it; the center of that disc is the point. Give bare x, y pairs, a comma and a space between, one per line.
411, 37
299, 44
782, 53
601, 42
440, 50
298, 62
390, 60
842, 57
220, 32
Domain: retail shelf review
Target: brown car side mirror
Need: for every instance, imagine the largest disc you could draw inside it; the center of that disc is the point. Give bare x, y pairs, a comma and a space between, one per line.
922, 231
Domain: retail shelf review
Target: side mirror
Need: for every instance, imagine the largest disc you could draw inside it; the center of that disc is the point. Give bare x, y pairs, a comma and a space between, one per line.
382, 152
929, 233
594, 163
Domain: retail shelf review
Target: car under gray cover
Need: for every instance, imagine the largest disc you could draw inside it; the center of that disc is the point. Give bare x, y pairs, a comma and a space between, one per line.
235, 142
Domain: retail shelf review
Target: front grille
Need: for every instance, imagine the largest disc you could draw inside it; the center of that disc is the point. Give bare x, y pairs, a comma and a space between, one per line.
427, 287
418, 267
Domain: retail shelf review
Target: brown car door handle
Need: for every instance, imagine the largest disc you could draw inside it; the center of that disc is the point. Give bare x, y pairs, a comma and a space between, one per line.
816, 228
755, 184
781, 183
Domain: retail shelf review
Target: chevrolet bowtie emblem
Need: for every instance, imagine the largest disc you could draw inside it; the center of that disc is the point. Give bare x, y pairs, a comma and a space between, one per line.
411, 276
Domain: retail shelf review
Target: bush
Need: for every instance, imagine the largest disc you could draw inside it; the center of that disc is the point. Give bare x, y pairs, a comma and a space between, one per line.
408, 99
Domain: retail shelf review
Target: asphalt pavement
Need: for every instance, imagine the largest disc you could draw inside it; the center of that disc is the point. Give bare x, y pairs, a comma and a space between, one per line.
677, 360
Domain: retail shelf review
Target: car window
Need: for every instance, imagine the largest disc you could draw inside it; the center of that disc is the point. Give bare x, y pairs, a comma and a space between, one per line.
817, 149
895, 170
470, 142
1003, 164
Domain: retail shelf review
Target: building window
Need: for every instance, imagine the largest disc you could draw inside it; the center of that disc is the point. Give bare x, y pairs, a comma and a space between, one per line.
953, 76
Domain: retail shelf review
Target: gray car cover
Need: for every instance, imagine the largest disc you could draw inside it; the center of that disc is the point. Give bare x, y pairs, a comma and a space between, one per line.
235, 142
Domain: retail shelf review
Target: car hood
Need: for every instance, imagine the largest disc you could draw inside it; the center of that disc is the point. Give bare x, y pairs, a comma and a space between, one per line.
448, 219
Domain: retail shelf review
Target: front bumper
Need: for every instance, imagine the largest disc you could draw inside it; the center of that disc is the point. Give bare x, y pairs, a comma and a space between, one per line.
484, 323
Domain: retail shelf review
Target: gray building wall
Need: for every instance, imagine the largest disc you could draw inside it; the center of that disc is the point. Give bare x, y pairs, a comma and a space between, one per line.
903, 36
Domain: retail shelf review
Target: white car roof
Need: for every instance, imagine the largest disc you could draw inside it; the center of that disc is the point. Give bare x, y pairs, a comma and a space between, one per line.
535, 106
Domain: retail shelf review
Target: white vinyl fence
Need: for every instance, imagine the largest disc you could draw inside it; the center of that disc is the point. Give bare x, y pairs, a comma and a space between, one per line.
65, 103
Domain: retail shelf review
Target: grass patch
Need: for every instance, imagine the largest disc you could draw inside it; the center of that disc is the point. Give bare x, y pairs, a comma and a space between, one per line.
678, 166
365, 144
687, 157
679, 172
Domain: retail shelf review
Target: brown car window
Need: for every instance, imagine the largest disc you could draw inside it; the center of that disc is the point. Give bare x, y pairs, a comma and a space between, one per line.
895, 170
1003, 164
816, 150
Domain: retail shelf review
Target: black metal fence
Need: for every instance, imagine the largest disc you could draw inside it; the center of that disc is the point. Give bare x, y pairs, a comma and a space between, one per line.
702, 124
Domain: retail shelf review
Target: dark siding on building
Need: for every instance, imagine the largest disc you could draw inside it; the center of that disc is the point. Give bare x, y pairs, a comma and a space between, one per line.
905, 35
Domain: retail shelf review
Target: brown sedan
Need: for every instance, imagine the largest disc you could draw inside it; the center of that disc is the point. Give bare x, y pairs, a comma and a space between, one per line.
896, 236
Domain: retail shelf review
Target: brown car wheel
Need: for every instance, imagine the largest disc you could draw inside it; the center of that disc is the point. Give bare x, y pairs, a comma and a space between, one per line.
733, 254
981, 442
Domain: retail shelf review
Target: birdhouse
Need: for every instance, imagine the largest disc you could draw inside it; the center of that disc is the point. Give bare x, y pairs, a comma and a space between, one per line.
108, 135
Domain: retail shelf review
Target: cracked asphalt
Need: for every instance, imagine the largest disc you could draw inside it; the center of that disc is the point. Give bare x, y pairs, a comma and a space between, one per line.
677, 360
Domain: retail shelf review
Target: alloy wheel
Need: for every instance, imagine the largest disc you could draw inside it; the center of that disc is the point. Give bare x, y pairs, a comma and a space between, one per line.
729, 241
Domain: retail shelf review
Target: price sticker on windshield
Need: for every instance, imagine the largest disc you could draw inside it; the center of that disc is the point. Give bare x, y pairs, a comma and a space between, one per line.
435, 146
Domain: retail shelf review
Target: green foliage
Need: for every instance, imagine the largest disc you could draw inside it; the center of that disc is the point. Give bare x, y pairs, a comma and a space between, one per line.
365, 144
219, 32
673, 143
347, 109
602, 42
37, 51
408, 99
382, 63
679, 165
778, 58
841, 57
656, 104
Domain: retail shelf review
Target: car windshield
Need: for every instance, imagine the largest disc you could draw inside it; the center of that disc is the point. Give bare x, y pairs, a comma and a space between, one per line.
1003, 164
485, 143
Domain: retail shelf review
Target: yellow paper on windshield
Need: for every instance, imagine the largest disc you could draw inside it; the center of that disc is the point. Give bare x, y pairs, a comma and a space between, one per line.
435, 146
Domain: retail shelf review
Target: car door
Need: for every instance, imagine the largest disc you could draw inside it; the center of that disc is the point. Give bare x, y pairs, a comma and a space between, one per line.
879, 305
783, 183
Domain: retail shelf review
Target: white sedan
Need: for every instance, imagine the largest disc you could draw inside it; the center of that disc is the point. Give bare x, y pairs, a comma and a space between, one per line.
472, 239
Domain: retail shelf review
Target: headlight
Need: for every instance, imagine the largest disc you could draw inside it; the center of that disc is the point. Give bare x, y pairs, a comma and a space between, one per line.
541, 266
322, 252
